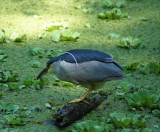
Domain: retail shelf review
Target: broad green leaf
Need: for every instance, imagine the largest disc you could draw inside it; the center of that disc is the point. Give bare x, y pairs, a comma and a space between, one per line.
52, 27
75, 35
129, 42
15, 37
53, 53
35, 64
120, 4
14, 85
107, 3
36, 51
143, 98
67, 84
48, 105
68, 35
12, 107
27, 82
140, 123
8, 76
147, 130
10, 117
127, 119
113, 35
3, 58
102, 15
2, 52
88, 25
108, 15
88, 10
38, 17
2, 37
86, 125
1, 94
156, 112
125, 86
56, 36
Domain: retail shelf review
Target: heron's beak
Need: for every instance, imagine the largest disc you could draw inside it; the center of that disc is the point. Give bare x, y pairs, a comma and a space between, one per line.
44, 71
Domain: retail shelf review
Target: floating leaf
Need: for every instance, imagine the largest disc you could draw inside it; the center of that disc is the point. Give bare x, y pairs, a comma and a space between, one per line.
2, 37
120, 4
56, 36
48, 105
125, 86
2, 52
129, 42
126, 120
38, 17
143, 98
88, 10
151, 67
3, 58
156, 112
112, 4
88, 25
113, 35
68, 35
132, 67
115, 13
10, 117
108, 3
78, 7
53, 26
8, 76
92, 126
54, 53
15, 37
8, 108
13, 86
35, 64
36, 51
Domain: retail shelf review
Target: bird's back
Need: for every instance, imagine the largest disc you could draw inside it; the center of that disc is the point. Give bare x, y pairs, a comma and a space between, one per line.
84, 55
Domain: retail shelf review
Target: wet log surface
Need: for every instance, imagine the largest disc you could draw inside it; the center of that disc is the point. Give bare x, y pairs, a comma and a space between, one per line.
72, 112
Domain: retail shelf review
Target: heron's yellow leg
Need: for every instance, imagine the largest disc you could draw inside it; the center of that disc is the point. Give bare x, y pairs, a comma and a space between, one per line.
82, 98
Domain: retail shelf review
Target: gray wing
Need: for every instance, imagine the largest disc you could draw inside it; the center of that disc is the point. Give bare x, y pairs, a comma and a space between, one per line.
92, 71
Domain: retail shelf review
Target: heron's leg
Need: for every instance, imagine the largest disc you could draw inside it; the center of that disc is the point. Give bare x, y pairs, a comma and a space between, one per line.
82, 98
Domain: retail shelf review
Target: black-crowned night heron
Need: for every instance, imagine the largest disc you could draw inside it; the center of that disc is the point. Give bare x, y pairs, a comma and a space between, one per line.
88, 68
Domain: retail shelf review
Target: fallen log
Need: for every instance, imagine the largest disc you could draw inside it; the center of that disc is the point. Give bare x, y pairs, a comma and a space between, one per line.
72, 112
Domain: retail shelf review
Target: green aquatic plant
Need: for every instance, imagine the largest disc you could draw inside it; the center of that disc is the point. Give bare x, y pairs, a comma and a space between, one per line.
53, 53
156, 112
31, 81
129, 42
35, 51
3, 58
88, 10
127, 120
35, 64
113, 4
15, 37
13, 115
131, 67
92, 126
53, 26
115, 13
8, 76
143, 98
2, 37
151, 67
64, 35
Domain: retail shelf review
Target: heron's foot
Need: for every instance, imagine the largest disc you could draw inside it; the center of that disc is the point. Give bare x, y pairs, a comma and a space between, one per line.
79, 100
